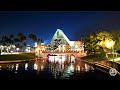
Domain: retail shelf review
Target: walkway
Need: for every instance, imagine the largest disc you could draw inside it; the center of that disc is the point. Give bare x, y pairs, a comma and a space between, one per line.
116, 59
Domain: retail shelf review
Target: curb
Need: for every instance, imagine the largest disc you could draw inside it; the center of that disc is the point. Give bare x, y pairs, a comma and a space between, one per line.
102, 66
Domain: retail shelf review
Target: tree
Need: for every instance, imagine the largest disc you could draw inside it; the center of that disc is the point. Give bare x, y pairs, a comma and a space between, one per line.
40, 40
116, 38
90, 43
11, 36
21, 39
16, 40
4, 40
11, 39
33, 37
95, 42
8, 42
104, 37
56, 43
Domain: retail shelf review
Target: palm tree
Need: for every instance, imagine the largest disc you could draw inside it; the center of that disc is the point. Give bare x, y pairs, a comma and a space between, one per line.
40, 40
21, 39
11, 36
1, 48
33, 37
4, 40
11, 39
16, 40
20, 34
10, 42
23, 46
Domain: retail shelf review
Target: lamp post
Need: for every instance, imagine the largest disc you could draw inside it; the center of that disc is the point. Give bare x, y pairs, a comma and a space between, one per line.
110, 45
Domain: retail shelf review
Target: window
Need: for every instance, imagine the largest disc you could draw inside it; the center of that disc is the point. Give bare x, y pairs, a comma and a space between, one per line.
57, 33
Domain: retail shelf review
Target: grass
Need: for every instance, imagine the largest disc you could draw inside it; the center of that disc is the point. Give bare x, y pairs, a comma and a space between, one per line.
110, 56
16, 57
94, 57
98, 57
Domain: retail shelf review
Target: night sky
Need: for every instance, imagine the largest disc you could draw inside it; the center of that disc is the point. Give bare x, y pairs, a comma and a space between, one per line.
45, 23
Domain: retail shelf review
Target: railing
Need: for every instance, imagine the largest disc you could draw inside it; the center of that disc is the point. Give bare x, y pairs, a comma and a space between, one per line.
62, 52
101, 66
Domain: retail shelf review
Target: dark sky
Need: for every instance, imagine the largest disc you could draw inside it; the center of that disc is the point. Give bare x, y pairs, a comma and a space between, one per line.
45, 23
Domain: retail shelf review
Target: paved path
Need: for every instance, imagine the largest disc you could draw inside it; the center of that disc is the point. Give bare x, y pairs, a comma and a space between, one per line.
116, 59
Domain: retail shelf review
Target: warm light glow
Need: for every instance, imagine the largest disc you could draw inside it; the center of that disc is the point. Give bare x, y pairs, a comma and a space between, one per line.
42, 67
11, 51
116, 59
0, 67
87, 67
35, 66
12, 67
78, 68
63, 59
26, 66
17, 49
109, 44
16, 67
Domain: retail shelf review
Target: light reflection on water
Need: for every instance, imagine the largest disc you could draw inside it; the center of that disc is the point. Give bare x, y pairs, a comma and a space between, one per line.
35, 66
0, 67
16, 67
26, 66
57, 67
111, 64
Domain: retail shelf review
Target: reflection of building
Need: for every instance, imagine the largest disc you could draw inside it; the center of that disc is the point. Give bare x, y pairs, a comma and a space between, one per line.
62, 43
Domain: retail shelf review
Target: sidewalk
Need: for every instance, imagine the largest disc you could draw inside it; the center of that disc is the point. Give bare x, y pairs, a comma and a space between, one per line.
115, 60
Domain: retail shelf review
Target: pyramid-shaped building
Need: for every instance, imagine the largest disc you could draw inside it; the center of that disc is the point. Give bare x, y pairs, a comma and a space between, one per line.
61, 42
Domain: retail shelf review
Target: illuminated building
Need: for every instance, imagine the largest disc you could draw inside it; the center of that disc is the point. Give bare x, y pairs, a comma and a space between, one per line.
60, 42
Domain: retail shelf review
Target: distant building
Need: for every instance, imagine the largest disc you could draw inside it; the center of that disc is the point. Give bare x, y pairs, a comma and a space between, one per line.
60, 42
35, 44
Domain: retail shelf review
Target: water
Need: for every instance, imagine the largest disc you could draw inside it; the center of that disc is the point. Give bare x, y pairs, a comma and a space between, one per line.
111, 64
56, 67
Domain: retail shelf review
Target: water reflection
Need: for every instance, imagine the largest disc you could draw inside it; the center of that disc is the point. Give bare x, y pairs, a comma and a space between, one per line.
35, 66
58, 67
0, 67
111, 64
12, 67
16, 67
78, 68
65, 66
26, 66
68, 71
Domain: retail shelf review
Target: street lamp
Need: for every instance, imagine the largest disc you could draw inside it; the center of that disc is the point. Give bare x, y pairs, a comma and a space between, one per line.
110, 45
